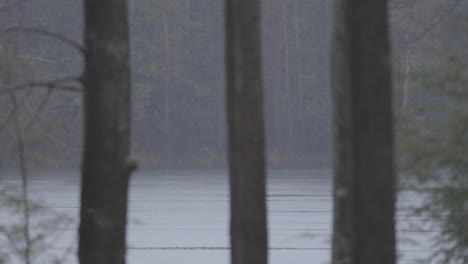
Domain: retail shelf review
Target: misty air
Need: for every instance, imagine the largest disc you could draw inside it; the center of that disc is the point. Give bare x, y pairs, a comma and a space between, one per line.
233, 132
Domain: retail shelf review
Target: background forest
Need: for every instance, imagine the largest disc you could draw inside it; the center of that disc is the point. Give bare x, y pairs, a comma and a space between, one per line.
177, 64
178, 100
177, 73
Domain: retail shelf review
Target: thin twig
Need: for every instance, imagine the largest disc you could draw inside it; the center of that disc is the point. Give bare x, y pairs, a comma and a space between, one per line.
43, 103
47, 133
12, 243
436, 22
55, 84
68, 250
45, 60
9, 116
54, 35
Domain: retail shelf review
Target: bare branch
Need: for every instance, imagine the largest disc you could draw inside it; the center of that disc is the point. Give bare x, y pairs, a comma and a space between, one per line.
45, 60
13, 243
55, 84
47, 33
37, 113
438, 20
10, 114
58, 141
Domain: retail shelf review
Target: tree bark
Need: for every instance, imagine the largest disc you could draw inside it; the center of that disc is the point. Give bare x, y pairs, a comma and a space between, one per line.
106, 167
246, 132
364, 193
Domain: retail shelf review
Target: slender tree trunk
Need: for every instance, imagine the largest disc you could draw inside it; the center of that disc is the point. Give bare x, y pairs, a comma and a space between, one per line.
8, 64
106, 167
407, 78
187, 9
167, 98
24, 181
300, 88
220, 140
296, 23
364, 226
246, 132
276, 105
290, 117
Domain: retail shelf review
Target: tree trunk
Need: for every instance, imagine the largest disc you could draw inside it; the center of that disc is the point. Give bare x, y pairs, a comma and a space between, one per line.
246, 132
106, 167
290, 116
167, 99
364, 226
406, 81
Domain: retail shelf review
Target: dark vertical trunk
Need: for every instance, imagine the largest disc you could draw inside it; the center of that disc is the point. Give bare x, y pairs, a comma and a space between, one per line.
246, 132
364, 227
106, 168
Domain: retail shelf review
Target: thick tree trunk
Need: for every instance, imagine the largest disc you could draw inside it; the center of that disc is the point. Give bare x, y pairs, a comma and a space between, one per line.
364, 226
246, 132
106, 168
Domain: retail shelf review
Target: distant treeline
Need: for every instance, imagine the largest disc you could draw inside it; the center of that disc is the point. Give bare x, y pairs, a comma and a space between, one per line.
178, 82
178, 78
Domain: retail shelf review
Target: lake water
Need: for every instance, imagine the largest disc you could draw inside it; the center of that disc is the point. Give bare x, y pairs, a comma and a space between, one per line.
182, 216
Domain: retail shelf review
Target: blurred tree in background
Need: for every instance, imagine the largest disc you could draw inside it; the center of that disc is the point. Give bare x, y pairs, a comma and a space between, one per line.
433, 130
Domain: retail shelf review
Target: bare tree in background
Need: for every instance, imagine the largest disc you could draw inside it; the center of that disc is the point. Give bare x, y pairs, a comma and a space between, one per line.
106, 168
246, 132
364, 194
